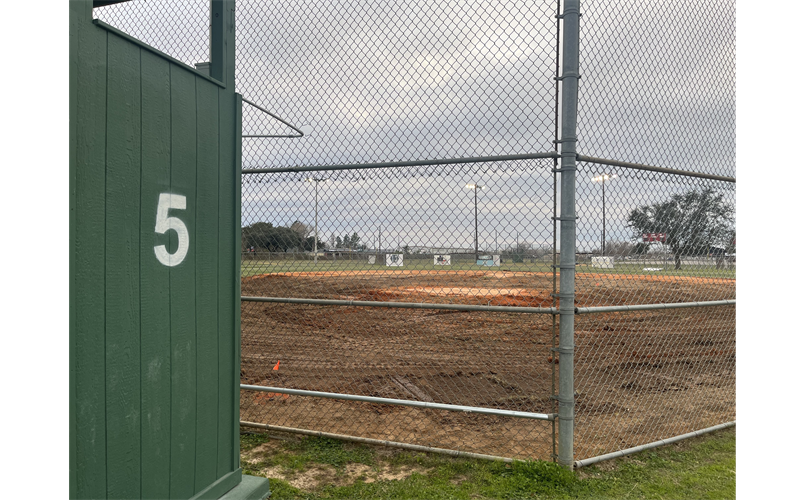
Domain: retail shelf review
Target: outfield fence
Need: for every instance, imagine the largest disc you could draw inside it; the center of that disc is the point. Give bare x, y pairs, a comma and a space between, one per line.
502, 230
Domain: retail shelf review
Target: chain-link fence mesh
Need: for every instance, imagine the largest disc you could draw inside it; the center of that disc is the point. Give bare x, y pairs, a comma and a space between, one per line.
657, 88
658, 83
383, 233
179, 28
644, 376
463, 98
650, 375
391, 81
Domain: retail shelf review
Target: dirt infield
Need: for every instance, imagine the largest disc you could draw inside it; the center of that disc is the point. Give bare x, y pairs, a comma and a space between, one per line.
640, 376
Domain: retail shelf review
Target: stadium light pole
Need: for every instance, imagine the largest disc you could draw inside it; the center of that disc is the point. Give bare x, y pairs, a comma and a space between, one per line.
316, 181
475, 188
603, 178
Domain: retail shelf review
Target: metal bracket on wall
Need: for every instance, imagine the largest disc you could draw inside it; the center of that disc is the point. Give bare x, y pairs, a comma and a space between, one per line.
272, 115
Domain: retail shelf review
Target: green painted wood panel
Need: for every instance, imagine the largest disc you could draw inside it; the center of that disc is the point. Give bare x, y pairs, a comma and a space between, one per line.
229, 291
155, 281
221, 488
183, 287
122, 267
207, 281
235, 249
154, 343
87, 226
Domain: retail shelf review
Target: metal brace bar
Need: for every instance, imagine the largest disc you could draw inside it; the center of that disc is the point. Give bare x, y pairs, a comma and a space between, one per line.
401, 402
651, 168
589, 461
653, 307
395, 164
272, 115
395, 444
403, 305
563, 351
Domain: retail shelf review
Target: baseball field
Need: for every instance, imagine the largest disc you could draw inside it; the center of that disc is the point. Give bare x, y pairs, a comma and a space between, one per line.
640, 376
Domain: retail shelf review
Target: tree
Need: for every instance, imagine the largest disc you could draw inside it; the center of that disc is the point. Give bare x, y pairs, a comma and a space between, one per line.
641, 248
302, 229
620, 248
253, 235
274, 239
692, 222
730, 242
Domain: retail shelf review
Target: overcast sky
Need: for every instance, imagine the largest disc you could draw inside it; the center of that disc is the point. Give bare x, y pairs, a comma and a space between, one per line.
400, 80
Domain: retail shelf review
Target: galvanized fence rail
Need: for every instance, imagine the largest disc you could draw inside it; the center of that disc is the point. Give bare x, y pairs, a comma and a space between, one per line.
501, 230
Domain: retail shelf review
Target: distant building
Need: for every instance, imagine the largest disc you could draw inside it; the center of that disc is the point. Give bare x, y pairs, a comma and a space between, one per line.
439, 250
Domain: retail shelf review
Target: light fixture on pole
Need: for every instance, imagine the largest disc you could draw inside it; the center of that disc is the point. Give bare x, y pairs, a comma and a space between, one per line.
316, 181
603, 178
475, 188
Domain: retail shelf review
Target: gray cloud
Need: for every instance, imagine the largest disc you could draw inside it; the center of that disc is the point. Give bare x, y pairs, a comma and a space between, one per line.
399, 81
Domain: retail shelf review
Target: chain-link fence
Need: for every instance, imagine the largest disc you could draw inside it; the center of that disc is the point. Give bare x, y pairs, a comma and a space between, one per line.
401, 218
657, 88
404, 237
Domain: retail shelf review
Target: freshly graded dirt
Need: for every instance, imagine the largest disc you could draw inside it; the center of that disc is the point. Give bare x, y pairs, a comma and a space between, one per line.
640, 376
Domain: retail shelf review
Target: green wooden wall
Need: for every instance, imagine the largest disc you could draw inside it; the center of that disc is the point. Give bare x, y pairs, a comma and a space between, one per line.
154, 345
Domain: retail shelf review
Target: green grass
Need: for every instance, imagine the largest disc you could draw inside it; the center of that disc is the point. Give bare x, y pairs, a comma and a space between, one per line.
700, 468
255, 267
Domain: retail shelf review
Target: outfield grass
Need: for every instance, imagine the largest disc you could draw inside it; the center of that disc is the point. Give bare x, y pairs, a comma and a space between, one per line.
700, 468
256, 267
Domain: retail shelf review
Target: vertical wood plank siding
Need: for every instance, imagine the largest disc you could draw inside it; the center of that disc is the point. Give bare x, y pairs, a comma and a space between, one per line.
154, 349
183, 287
122, 283
155, 370
88, 176
229, 294
207, 284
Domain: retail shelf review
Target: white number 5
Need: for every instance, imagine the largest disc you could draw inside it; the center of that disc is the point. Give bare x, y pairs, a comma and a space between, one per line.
169, 201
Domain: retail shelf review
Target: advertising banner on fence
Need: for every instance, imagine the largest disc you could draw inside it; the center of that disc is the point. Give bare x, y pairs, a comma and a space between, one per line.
441, 260
394, 259
650, 237
488, 260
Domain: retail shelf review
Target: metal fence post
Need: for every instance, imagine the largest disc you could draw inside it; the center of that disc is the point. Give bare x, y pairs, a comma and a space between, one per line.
567, 218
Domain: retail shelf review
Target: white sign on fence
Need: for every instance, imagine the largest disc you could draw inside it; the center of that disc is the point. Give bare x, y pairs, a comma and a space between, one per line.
372, 259
394, 259
441, 260
603, 262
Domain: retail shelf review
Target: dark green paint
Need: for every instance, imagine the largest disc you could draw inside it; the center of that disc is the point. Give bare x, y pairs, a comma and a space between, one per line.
235, 291
220, 487
87, 204
122, 265
154, 350
155, 368
228, 309
250, 487
182, 288
207, 280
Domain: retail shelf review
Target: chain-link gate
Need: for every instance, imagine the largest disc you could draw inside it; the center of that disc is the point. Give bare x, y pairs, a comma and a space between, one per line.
402, 219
